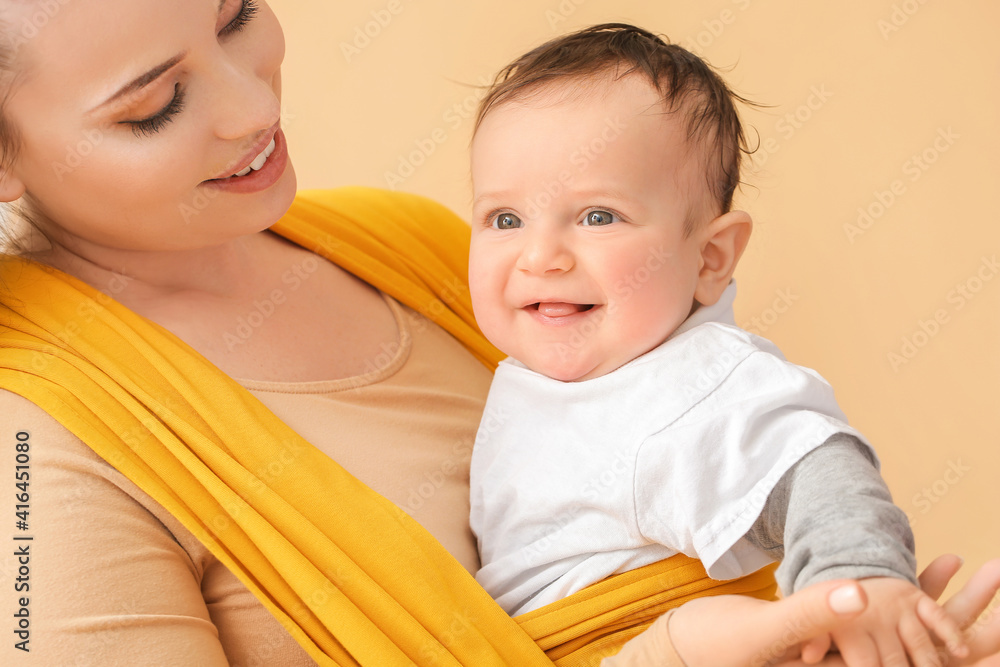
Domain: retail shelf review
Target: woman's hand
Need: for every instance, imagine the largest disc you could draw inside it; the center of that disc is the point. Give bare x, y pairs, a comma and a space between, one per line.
737, 631
982, 630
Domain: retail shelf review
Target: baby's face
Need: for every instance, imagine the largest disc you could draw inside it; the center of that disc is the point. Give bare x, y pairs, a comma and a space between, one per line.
579, 262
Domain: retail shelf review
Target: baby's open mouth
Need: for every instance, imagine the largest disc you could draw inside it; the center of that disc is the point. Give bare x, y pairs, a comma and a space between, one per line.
559, 309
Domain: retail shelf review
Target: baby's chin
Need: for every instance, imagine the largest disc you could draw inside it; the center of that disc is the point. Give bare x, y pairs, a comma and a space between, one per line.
565, 367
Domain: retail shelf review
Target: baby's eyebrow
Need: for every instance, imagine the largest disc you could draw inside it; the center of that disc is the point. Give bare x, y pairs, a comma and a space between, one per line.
492, 198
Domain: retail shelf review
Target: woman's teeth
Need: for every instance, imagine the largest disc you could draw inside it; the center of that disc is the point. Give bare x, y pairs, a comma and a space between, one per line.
259, 161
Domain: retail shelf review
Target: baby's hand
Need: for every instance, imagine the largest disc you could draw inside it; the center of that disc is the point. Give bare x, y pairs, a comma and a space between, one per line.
897, 623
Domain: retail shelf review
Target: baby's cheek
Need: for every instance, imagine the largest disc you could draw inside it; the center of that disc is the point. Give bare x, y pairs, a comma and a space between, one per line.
478, 284
654, 309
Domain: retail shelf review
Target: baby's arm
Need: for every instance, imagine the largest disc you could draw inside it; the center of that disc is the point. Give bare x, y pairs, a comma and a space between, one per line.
831, 516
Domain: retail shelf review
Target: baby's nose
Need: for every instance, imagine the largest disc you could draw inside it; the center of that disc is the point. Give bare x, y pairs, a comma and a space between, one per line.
545, 253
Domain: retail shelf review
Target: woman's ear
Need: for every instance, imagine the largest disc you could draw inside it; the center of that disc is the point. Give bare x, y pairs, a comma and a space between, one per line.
722, 243
11, 187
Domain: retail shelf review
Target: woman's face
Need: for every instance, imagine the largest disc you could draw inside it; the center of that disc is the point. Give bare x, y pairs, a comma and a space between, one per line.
132, 114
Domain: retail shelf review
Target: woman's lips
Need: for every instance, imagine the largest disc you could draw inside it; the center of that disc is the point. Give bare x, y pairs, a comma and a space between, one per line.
256, 181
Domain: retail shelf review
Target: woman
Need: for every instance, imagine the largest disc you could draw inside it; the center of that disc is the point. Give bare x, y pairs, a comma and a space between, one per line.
197, 514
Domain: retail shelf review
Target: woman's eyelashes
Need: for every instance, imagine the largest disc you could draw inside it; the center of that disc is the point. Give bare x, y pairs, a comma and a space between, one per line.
150, 126
248, 10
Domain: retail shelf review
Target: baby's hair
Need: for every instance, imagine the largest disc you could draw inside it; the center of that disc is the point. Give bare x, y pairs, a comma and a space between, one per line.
685, 81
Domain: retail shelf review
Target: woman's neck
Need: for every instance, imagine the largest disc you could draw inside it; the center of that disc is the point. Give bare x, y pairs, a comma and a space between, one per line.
136, 277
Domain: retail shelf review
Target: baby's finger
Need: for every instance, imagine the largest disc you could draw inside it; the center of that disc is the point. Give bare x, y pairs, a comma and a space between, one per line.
891, 651
936, 619
814, 649
917, 641
857, 648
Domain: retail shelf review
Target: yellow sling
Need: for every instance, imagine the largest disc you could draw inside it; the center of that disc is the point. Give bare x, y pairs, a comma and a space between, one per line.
200, 444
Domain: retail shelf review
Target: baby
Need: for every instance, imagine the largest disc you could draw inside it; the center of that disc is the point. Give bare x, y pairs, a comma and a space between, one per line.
633, 420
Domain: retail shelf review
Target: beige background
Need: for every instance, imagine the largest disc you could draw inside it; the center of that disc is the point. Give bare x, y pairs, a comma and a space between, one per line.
869, 86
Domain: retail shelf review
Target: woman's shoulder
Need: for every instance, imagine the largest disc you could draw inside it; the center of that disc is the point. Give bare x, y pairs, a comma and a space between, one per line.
65, 476
96, 552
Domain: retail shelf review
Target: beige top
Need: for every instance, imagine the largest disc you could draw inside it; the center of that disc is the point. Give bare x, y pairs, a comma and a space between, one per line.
116, 580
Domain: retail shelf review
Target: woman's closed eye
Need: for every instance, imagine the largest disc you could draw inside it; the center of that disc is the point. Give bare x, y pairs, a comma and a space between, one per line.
153, 124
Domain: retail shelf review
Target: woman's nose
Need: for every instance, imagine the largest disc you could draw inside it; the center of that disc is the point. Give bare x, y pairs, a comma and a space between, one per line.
246, 102
545, 252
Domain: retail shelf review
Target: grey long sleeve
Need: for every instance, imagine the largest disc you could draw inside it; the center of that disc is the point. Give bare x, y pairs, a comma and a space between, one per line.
831, 516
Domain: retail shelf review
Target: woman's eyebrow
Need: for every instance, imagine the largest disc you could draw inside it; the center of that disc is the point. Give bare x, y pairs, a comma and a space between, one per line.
144, 80
152, 75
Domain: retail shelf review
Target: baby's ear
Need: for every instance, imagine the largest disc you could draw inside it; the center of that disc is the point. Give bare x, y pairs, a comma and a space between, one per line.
722, 243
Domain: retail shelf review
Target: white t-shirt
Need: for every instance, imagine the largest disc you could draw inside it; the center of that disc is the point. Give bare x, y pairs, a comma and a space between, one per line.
674, 452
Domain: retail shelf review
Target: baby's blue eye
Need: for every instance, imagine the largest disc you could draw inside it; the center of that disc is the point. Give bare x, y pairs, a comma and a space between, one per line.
599, 218
507, 221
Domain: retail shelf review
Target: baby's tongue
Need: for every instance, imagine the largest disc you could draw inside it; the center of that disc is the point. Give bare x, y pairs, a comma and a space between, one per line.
559, 309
